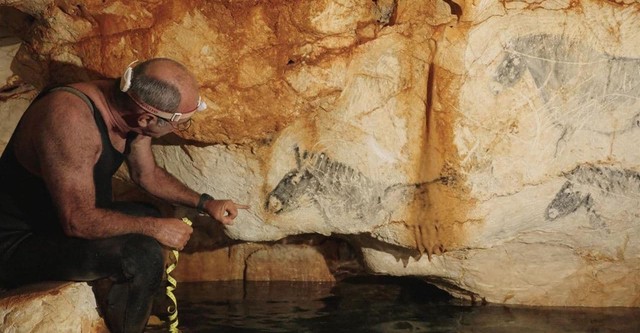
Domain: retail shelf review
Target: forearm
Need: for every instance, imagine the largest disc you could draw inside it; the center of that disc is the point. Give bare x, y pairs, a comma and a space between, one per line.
165, 186
96, 223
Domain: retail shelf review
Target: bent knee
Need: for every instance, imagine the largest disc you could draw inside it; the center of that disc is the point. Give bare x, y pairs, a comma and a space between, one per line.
143, 257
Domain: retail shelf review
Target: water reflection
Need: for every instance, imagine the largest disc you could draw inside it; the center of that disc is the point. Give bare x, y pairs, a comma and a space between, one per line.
373, 305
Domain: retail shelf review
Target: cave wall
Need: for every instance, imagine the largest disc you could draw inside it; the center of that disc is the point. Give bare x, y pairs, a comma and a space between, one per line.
487, 146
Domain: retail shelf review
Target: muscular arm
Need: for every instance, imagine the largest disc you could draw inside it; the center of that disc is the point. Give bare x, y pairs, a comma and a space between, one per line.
155, 180
158, 182
67, 147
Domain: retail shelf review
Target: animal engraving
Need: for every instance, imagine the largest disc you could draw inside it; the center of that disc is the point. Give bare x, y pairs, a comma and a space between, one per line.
581, 89
339, 190
586, 184
345, 195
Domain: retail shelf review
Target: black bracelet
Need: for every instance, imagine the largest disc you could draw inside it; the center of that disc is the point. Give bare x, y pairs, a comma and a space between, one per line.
204, 197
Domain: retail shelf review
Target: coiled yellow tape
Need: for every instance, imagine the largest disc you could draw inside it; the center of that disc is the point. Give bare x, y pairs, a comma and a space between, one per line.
171, 286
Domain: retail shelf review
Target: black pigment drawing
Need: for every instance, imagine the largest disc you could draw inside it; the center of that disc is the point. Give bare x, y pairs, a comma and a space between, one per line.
582, 89
587, 183
341, 192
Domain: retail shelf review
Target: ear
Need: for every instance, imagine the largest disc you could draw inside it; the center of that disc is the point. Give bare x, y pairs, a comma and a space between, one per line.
145, 119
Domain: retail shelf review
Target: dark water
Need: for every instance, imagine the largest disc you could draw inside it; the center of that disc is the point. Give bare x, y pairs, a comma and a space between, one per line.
372, 305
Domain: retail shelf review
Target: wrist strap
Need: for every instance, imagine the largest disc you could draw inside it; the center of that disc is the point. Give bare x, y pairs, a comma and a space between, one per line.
204, 197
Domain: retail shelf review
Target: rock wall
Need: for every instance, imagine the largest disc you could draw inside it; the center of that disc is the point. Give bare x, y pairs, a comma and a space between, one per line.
487, 146
42, 308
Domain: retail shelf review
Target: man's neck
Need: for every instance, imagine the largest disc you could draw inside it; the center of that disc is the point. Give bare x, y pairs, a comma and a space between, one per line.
115, 111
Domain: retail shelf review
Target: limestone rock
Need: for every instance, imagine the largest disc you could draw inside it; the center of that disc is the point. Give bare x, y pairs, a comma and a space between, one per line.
214, 265
318, 259
254, 262
302, 264
47, 307
546, 122
15, 95
487, 146
11, 110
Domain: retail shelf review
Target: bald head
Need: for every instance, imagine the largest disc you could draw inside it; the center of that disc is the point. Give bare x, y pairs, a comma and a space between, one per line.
165, 85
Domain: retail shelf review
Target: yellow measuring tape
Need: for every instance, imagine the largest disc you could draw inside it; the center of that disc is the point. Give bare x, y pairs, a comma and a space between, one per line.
173, 308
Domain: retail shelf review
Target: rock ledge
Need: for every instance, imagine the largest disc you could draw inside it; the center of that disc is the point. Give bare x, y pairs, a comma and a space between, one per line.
51, 306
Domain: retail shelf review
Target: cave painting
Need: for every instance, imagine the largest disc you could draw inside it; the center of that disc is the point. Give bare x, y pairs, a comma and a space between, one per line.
340, 192
587, 183
580, 88
345, 195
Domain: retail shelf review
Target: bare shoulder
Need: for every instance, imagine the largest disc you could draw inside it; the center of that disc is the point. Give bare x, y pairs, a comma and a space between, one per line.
64, 121
61, 109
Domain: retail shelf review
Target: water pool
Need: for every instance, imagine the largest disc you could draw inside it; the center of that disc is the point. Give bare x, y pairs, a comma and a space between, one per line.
372, 304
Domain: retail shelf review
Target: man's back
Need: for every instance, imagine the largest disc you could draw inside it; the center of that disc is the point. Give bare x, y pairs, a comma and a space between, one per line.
25, 202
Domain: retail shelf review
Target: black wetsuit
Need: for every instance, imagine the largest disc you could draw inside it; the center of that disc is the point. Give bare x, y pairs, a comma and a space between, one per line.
33, 246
